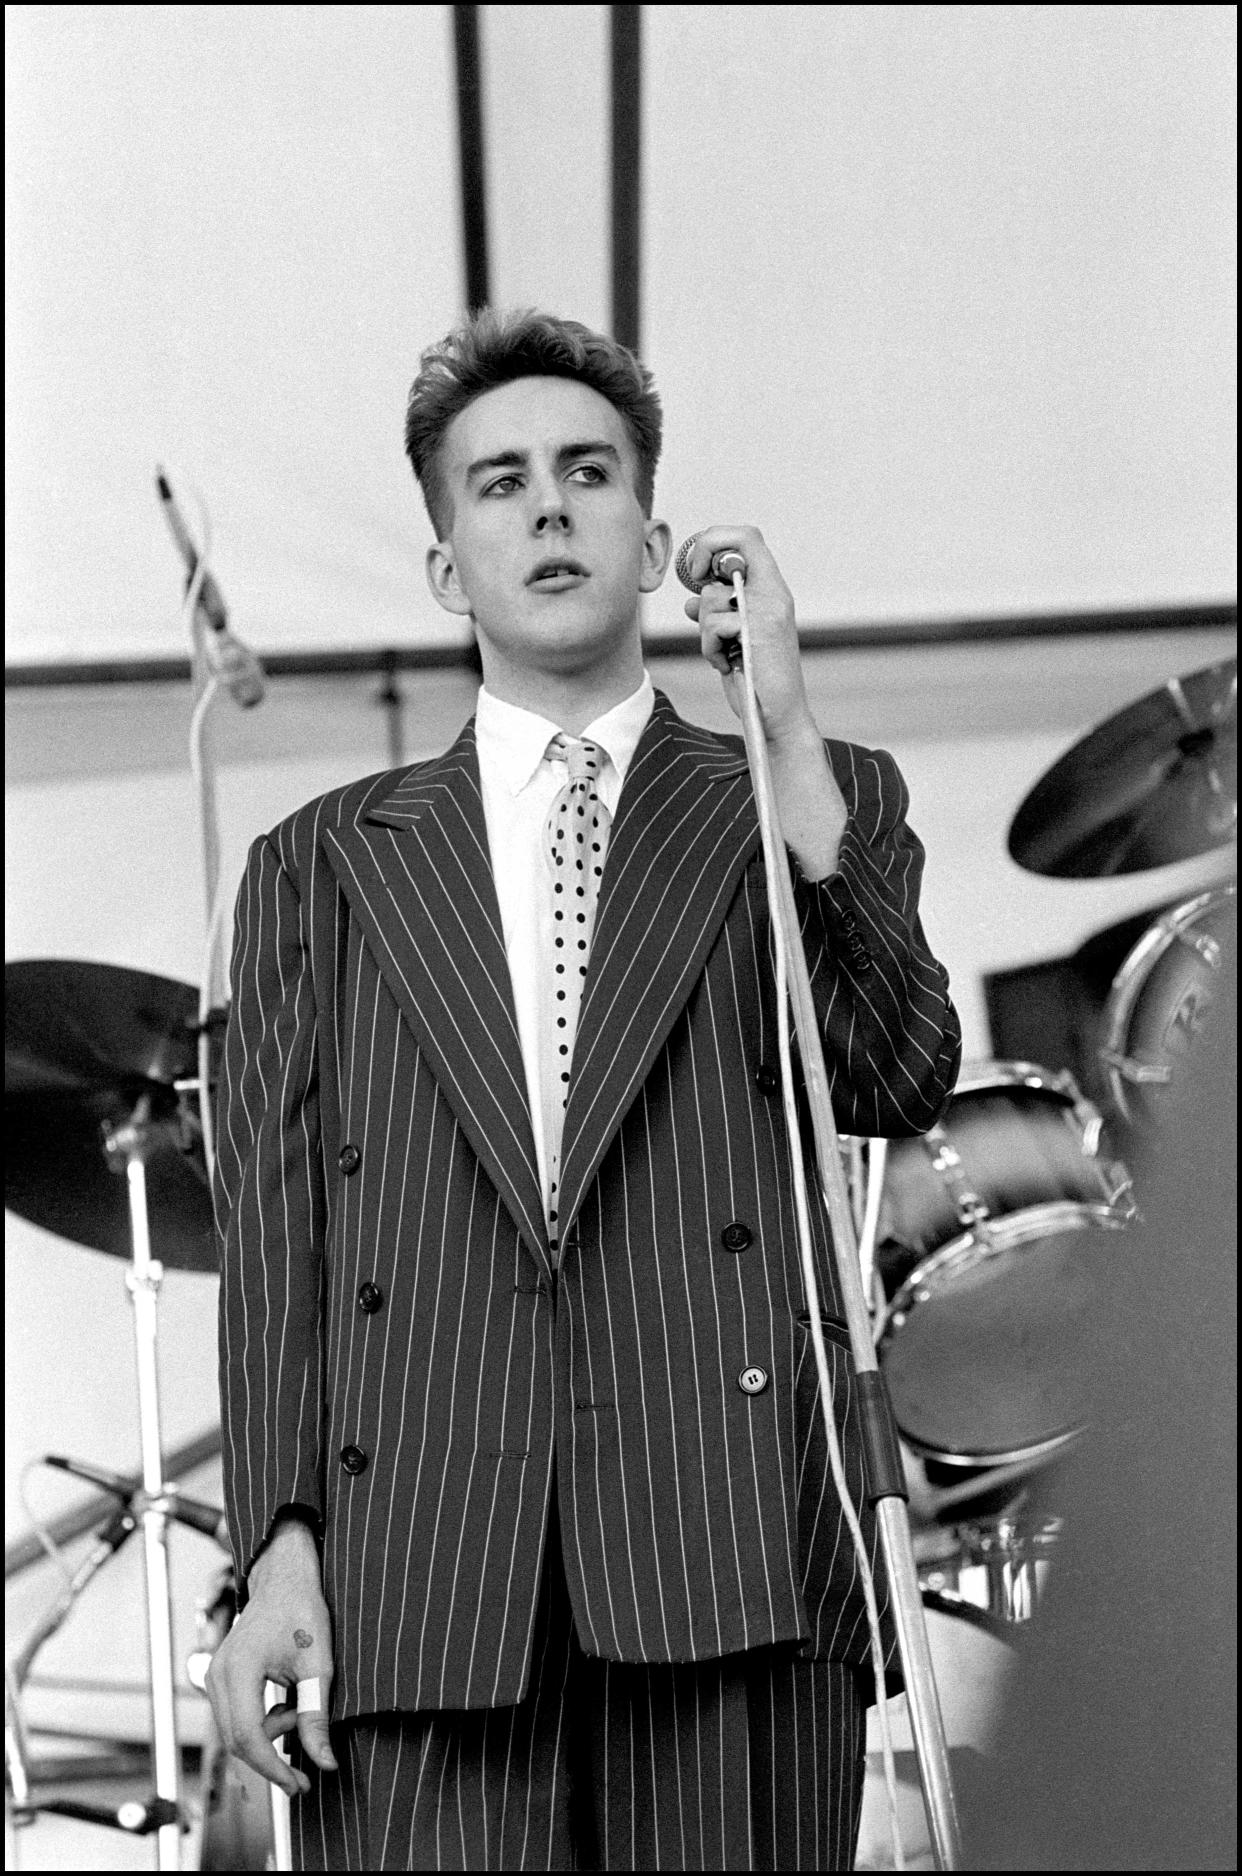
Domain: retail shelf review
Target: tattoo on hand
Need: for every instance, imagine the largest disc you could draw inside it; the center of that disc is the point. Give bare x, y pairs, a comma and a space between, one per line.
303, 1637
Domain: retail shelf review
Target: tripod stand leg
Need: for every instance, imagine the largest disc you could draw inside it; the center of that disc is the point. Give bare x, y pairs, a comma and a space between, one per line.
143, 1282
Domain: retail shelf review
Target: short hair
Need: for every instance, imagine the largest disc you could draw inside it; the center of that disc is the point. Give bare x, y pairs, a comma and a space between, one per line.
493, 348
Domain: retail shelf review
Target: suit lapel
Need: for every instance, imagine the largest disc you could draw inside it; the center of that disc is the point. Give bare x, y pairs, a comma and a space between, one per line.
684, 830
417, 872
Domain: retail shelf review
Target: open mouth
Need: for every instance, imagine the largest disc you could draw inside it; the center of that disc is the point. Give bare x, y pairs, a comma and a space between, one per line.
557, 575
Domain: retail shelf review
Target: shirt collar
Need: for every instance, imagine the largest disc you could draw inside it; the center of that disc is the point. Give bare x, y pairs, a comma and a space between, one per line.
513, 742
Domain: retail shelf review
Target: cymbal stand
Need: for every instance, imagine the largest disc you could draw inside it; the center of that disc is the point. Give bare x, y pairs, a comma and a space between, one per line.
127, 1145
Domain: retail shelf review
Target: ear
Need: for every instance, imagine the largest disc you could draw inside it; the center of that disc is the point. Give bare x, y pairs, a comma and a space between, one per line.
442, 578
657, 552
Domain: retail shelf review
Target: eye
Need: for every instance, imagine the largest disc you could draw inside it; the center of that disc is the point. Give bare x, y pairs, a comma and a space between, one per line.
592, 470
497, 487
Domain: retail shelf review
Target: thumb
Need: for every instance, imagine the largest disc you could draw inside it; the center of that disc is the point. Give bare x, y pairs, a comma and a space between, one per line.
312, 1702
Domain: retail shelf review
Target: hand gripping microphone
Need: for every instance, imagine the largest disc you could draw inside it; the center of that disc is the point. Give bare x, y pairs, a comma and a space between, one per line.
724, 565
227, 658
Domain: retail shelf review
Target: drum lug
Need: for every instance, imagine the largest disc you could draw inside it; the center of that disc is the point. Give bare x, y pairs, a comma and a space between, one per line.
971, 1210
1142, 1074
1120, 1188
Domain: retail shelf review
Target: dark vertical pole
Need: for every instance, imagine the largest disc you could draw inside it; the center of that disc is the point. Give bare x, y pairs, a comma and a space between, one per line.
391, 701
470, 154
626, 35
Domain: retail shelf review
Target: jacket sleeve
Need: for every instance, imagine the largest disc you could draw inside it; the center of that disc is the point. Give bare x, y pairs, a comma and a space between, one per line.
892, 1041
270, 1210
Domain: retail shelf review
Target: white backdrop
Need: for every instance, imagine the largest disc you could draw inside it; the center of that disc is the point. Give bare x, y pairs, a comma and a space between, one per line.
939, 296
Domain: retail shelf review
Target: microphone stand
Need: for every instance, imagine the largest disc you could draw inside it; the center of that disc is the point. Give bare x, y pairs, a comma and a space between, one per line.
888, 1491
206, 689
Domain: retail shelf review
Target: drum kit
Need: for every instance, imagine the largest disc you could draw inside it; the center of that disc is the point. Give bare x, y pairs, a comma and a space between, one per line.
989, 1253
981, 1242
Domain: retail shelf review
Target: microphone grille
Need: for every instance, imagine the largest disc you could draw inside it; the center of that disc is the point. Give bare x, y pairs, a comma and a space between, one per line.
682, 566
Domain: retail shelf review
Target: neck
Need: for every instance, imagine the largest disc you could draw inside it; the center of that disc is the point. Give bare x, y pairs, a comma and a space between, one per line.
570, 699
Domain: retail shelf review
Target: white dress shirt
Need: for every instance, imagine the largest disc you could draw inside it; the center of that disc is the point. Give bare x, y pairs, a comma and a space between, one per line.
519, 787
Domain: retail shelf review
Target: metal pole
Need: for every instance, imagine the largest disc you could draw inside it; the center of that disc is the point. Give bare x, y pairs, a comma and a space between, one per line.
906, 1601
143, 1282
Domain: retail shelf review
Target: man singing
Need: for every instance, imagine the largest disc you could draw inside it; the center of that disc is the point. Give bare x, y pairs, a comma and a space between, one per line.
524, 1468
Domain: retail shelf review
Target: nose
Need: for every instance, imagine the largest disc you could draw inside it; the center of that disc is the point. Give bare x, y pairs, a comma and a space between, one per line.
551, 512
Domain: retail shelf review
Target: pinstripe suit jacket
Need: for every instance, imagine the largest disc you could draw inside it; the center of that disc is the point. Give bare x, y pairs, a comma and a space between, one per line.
398, 1352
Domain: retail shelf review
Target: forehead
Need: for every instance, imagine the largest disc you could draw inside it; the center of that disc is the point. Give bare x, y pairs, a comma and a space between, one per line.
535, 415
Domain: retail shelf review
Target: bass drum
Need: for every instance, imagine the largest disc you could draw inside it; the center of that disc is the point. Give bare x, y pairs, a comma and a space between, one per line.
1160, 1000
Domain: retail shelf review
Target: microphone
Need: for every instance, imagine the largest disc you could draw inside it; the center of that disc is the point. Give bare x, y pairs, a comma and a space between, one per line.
724, 565
227, 658
191, 1511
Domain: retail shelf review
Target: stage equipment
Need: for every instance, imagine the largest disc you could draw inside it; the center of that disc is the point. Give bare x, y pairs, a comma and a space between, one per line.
98, 1065
994, 1224
90, 1049
219, 660
884, 1466
1160, 1000
233, 663
1154, 784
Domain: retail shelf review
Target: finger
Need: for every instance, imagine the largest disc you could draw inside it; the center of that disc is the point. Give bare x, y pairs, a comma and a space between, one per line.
255, 1749
280, 1720
312, 1720
717, 635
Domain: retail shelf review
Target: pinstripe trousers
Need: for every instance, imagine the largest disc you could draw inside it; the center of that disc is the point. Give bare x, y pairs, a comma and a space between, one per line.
750, 1762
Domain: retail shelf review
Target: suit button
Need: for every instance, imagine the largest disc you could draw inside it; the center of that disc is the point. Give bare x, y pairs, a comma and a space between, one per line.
737, 1236
350, 1160
370, 1298
767, 1080
353, 1459
753, 1380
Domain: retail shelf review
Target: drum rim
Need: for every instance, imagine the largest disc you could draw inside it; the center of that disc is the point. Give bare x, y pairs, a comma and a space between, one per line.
1136, 969
1008, 1229
1014, 1227
995, 1072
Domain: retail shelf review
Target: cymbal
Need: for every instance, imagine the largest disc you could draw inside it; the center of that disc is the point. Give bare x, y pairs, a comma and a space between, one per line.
1154, 784
88, 1047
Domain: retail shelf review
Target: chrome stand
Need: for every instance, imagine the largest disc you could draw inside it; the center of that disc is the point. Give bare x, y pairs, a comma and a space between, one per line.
128, 1145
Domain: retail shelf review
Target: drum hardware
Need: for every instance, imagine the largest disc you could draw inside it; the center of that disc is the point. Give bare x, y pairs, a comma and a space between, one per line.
945, 1159
1014, 1553
1011, 1552
1153, 784
105, 1149
1160, 1000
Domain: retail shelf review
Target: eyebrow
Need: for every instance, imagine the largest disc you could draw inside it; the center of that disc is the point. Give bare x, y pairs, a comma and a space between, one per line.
520, 458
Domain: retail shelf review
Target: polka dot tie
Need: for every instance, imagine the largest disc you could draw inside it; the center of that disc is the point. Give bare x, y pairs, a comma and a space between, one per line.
576, 842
